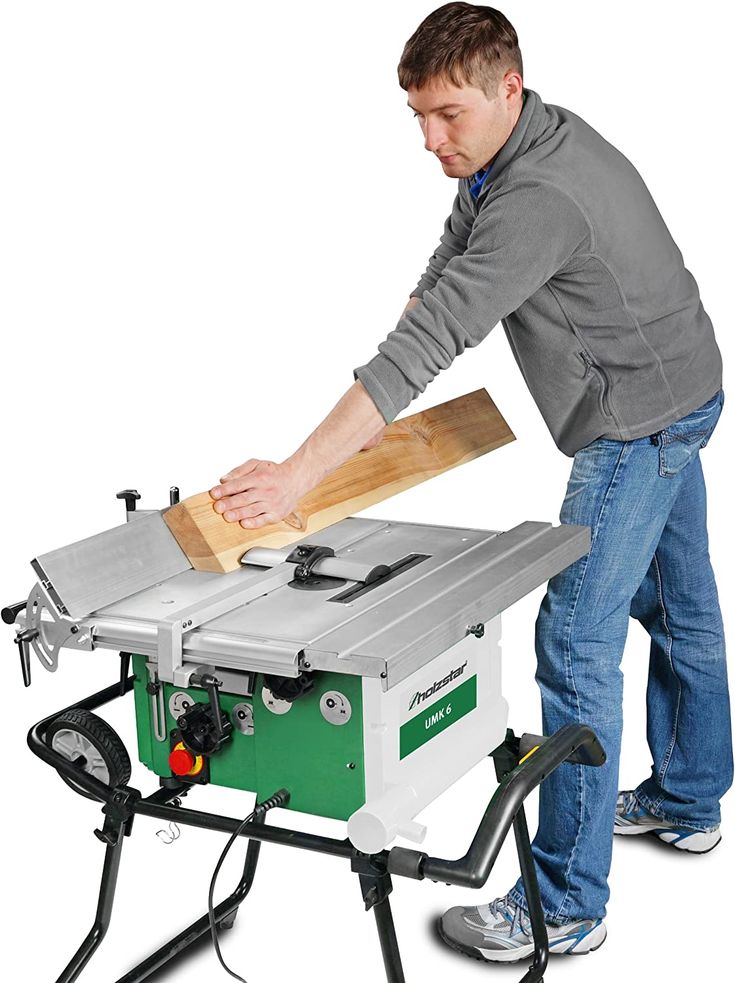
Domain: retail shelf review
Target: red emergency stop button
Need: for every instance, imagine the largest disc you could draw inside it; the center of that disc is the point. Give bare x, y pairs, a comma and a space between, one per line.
183, 762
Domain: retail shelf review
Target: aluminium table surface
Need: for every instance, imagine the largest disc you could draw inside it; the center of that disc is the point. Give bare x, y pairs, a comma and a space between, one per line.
470, 575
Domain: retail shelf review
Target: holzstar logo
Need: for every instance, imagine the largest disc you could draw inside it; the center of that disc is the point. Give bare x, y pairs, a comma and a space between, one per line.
420, 696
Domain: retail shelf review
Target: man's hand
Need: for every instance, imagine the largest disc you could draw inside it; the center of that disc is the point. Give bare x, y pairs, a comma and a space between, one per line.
258, 493
261, 492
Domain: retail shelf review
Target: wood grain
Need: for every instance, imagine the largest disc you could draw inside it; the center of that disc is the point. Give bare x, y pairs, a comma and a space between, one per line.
413, 449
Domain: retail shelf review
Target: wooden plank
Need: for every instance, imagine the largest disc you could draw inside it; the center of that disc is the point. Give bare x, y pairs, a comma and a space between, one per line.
412, 450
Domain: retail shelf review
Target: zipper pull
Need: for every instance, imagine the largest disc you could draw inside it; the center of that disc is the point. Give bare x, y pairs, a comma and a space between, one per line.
588, 364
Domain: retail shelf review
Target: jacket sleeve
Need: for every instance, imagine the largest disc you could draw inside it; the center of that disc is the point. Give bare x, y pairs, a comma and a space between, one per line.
520, 239
453, 242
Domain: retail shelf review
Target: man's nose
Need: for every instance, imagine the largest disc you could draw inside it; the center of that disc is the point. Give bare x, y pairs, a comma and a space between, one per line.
434, 135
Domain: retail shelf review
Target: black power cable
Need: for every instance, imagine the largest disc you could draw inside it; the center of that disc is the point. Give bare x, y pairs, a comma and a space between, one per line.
279, 799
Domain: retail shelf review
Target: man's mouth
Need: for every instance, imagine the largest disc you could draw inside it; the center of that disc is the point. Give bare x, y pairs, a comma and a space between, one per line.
448, 159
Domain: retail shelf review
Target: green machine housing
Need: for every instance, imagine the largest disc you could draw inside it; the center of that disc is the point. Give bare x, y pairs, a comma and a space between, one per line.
322, 765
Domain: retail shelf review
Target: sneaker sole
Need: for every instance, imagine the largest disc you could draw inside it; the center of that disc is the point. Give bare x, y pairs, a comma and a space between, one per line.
510, 956
633, 830
640, 830
679, 845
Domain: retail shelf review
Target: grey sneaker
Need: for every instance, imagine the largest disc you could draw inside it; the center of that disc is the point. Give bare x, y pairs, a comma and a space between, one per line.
501, 932
631, 819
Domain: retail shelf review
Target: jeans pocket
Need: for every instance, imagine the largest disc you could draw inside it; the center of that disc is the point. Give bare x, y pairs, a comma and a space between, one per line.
681, 441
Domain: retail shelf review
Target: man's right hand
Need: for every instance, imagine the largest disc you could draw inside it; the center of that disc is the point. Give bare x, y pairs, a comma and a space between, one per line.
258, 493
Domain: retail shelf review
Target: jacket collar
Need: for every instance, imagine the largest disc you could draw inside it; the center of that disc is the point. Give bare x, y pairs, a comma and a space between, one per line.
530, 125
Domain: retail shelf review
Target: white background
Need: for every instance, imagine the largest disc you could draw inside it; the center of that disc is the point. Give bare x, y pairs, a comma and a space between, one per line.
211, 212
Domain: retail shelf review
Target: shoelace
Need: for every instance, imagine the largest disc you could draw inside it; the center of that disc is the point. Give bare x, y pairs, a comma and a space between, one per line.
630, 803
519, 918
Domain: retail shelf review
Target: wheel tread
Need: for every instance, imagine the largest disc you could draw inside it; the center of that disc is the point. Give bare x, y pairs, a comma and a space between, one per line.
102, 735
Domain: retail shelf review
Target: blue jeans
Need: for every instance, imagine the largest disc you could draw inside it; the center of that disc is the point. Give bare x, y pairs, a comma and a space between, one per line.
645, 503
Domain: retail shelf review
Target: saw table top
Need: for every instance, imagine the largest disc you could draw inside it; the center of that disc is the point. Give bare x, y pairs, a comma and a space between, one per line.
387, 630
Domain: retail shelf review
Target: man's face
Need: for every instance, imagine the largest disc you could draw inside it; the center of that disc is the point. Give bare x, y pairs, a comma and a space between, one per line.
461, 126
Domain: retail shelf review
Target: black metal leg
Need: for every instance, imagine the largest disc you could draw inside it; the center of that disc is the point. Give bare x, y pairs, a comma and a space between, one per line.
388, 941
376, 887
533, 898
224, 915
114, 832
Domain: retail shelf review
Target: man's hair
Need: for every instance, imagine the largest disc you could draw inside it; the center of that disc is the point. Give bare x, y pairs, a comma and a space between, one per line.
463, 44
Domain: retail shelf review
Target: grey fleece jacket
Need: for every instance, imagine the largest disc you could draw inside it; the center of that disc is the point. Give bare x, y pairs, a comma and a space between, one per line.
566, 247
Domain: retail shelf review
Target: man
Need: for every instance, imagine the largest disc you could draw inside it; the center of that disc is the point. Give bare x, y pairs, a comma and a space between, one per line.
554, 233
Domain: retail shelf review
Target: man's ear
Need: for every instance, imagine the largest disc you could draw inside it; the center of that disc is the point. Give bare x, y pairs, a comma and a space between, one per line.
511, 86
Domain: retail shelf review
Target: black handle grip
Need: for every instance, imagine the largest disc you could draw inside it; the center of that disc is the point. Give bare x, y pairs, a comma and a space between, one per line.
588, 753
23, 641
131, 496
11, 612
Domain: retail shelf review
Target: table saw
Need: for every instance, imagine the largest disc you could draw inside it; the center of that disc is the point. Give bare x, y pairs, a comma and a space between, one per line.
355, 676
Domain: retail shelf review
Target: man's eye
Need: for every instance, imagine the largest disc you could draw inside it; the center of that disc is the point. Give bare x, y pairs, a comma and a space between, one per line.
416, 115
451, 115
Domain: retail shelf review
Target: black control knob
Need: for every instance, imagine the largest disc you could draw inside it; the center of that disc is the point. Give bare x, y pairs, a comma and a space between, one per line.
200, 730
131, 496
290, 689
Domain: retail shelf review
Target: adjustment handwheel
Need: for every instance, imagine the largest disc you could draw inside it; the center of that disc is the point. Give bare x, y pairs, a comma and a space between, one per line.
89, 741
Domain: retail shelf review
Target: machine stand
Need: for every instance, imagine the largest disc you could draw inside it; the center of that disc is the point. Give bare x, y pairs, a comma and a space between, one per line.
122, 803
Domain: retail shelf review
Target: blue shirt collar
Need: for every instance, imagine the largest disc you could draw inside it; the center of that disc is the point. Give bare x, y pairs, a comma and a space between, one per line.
477, 180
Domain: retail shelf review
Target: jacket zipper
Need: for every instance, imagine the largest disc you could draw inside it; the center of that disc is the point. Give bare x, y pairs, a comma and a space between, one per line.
593, 367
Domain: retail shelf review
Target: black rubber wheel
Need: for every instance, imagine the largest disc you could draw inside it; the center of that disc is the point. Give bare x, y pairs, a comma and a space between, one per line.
89, 741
